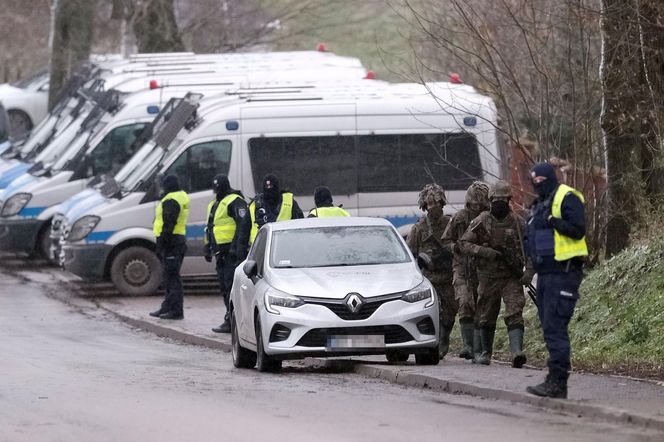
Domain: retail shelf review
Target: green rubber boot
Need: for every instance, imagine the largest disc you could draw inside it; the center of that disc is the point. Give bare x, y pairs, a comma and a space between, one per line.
467, 335
516, 347
477, 344
486, 340
444, 344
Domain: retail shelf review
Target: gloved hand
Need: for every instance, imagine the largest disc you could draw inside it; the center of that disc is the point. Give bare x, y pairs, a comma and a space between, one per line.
167, 240
527, 277
489, 253
208, 257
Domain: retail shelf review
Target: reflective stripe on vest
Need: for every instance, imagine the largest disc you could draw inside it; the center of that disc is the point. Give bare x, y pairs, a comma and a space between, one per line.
285, 213
180, 228
565, 247
224, 225
327, 212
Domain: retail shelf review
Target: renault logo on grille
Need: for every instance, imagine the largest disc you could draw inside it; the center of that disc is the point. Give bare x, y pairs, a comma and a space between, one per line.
354, 302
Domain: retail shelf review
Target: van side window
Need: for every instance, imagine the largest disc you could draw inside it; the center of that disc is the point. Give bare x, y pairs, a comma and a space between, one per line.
114, 150
367, 163
198, 165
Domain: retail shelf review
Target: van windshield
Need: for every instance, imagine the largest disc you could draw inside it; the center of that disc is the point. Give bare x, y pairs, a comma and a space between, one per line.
143, 171
135, 161
60, 142
79, 143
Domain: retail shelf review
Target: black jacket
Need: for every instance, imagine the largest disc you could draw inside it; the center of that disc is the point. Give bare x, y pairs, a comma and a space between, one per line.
238, 210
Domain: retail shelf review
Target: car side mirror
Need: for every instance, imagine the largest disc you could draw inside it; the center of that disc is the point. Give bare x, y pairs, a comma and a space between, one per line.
250, 269
424, 261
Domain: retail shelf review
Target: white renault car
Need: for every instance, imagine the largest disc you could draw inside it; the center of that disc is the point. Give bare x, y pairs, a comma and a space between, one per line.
331, 287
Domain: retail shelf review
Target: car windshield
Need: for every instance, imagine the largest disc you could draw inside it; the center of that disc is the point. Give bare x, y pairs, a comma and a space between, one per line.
336, 246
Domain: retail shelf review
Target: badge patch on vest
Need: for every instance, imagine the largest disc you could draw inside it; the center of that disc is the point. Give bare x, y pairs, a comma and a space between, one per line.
242, 212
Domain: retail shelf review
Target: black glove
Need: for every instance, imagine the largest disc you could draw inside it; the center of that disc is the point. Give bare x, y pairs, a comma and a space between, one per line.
208, 257
167, 240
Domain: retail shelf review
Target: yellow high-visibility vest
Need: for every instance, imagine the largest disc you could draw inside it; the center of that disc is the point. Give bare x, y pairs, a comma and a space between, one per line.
223, 225
285, 213
565, 247
182, 199
325, 212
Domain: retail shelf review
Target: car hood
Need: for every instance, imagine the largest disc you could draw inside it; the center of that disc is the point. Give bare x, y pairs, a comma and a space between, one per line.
337, 282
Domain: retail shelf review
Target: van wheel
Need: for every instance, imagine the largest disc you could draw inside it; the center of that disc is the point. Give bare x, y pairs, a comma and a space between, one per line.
242, 358
264, 362
44, 244
136, 271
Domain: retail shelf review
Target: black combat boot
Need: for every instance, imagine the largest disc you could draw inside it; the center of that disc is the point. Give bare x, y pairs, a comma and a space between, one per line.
516, 347
486, 340
157, 313
467, 334
223, 328
555, 386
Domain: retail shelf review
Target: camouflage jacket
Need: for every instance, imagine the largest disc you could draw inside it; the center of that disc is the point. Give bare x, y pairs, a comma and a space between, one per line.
504, 236
425, 236
462, 264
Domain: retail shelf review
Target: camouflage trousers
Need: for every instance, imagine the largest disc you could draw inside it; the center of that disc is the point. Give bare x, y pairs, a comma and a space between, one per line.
447, 305
489, 293
465, 293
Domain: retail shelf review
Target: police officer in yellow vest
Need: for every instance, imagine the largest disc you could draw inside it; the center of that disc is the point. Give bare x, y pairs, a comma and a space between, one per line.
324, 206
272, 205
555, 241
226, 237
170, 224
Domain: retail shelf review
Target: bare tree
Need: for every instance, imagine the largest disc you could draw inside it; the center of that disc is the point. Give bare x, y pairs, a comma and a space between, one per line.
72, 40
155, 26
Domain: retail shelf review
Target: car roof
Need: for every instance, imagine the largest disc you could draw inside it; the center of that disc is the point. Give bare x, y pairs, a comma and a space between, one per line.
340, 221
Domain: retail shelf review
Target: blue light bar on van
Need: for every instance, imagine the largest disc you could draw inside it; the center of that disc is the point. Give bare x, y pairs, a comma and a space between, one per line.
232, 125
152, 109
469, 121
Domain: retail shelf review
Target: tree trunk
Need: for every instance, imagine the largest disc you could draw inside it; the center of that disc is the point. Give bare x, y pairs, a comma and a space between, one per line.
72, 40
155, 27
620, 120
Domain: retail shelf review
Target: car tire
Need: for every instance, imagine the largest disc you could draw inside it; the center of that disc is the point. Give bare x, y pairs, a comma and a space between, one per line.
242, 358
264, 363
396, 356
427, 356
19, 122
136, 271
44, 244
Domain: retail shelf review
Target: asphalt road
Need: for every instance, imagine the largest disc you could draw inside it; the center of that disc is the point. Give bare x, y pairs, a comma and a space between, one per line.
78, 375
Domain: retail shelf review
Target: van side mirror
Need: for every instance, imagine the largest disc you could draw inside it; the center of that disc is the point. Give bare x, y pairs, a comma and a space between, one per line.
424, 261
250, 269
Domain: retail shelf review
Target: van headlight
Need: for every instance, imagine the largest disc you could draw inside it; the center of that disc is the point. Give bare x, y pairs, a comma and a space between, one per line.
16, 203
274, 298
83, 227
420, 293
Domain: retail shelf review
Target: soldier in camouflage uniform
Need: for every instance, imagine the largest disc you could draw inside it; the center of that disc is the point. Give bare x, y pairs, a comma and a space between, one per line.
465, 273
494, 239
425, 236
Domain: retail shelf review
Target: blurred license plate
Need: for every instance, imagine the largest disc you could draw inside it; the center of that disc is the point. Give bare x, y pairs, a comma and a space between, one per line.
340, 342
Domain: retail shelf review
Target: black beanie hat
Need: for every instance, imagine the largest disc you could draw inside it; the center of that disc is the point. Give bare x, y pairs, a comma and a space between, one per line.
322, 197
170, 184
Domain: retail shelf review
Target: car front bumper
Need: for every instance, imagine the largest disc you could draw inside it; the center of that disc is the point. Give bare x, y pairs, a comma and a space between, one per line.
312, 330
87, 260
19, 235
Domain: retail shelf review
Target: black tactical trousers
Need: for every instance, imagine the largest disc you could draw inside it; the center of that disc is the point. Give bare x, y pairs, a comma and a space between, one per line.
225, 267
171, 262
557, 294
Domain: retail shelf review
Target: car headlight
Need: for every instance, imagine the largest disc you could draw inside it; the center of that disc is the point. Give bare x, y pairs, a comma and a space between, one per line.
274, 298
420, 293
83, 227
16, 203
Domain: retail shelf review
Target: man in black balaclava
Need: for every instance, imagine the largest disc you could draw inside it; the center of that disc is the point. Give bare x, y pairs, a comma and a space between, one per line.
556, 245
273, 204
324, 206
227, 237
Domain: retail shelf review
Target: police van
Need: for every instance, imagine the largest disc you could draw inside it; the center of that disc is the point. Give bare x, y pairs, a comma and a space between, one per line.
375, 149
102, 144
118, 74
